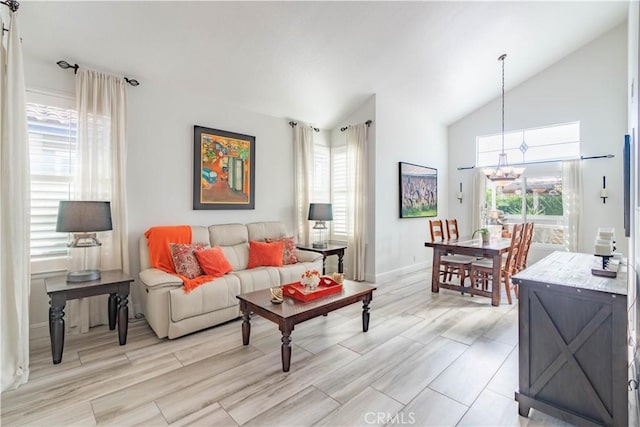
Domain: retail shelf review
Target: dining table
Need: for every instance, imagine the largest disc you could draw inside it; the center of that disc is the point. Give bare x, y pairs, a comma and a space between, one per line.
493, 249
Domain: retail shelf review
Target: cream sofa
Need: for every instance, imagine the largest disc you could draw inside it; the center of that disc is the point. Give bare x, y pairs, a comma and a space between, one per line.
172, 313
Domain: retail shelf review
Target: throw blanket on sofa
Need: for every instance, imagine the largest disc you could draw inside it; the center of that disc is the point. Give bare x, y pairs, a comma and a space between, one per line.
158, 239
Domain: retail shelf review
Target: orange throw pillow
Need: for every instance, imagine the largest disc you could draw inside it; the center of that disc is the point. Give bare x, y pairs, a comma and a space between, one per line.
213, 262
265, 254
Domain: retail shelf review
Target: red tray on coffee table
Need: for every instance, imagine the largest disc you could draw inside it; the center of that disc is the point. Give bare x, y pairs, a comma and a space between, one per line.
296, 290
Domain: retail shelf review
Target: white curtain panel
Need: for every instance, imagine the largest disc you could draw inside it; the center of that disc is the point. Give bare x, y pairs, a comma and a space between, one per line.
102, 112
15, 268
479, 199
572, 203
303, 177
357, 191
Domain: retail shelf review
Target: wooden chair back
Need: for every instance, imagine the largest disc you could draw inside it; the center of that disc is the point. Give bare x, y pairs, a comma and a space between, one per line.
515, 249
526, 245
452, 229
436, 230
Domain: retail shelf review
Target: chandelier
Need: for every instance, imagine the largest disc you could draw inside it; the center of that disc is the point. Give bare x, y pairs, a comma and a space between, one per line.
503, 174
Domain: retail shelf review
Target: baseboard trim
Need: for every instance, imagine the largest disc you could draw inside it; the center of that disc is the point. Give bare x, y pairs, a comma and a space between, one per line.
388, 275
39, 330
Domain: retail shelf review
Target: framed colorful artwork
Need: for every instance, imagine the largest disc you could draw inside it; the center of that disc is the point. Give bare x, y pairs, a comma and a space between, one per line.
223, 169
418, 191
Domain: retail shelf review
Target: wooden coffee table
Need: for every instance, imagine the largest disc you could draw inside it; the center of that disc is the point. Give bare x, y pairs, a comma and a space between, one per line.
292, 312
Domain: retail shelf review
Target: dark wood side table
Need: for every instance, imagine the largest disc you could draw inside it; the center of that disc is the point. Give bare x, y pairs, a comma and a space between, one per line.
331, 249
113, 282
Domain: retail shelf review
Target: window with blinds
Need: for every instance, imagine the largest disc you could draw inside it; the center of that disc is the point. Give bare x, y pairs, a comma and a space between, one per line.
52, 146
321, 192
339, 193
537, 195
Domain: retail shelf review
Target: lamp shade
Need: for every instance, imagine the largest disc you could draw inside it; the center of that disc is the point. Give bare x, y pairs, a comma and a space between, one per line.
75, 216
320, 212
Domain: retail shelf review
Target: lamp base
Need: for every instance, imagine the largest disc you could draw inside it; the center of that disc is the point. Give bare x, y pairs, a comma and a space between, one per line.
83, 276
319, 245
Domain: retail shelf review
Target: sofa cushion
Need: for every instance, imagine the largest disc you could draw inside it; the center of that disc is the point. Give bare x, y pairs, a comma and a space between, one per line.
213, 262
260, 231
263, 254
211, 296
237, 255
184, 259
257, 278
228, 234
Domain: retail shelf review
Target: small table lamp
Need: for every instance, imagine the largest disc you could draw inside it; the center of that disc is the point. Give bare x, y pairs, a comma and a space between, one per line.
84, 219
320, 212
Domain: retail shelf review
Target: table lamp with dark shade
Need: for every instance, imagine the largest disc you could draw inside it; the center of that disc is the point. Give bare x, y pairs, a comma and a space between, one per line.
84, 219
320, 212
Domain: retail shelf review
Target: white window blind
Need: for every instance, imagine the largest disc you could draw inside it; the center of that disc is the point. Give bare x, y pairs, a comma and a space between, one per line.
339, 193
52, 145
321, 192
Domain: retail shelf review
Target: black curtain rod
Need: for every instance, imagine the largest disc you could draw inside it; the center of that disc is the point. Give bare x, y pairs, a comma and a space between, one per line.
368, 123
11, 4
604, 156
65, 66
293, 124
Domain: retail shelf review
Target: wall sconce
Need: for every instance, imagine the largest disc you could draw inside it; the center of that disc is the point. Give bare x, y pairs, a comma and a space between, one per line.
460, 194
603, 193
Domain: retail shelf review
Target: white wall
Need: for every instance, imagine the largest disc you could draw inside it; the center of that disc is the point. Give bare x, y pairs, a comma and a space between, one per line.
590, 86
405, 133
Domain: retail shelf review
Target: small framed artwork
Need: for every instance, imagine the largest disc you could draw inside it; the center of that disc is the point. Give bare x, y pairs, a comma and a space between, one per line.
418, 191
223, 169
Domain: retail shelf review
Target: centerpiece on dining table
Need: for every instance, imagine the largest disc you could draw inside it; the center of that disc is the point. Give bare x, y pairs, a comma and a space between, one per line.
311, 286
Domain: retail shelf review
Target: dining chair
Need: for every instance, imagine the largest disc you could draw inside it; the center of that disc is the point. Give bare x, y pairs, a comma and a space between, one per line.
523, 253
452, 229
450, 264
436, 230
482, 270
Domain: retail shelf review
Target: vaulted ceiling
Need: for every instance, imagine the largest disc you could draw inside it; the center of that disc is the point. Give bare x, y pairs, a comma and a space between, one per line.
318, 61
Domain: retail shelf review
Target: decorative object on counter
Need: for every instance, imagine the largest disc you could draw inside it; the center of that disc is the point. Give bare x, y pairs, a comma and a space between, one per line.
320, 212
603, 193
484, 233
276, 295
460, 194
310, 279
84, 219
604, 247
338, 277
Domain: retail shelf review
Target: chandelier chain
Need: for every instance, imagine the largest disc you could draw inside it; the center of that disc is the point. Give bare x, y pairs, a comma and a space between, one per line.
502, 59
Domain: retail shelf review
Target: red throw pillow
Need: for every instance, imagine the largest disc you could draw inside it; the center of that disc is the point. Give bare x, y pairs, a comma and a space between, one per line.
184, 259
289, 256
213, 262
265, 254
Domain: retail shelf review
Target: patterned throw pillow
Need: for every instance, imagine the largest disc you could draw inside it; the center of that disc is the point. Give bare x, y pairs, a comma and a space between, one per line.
289, 256
184, 259
265, 254
213, 262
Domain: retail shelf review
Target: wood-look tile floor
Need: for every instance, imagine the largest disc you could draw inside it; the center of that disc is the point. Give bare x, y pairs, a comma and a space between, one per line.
428, 360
